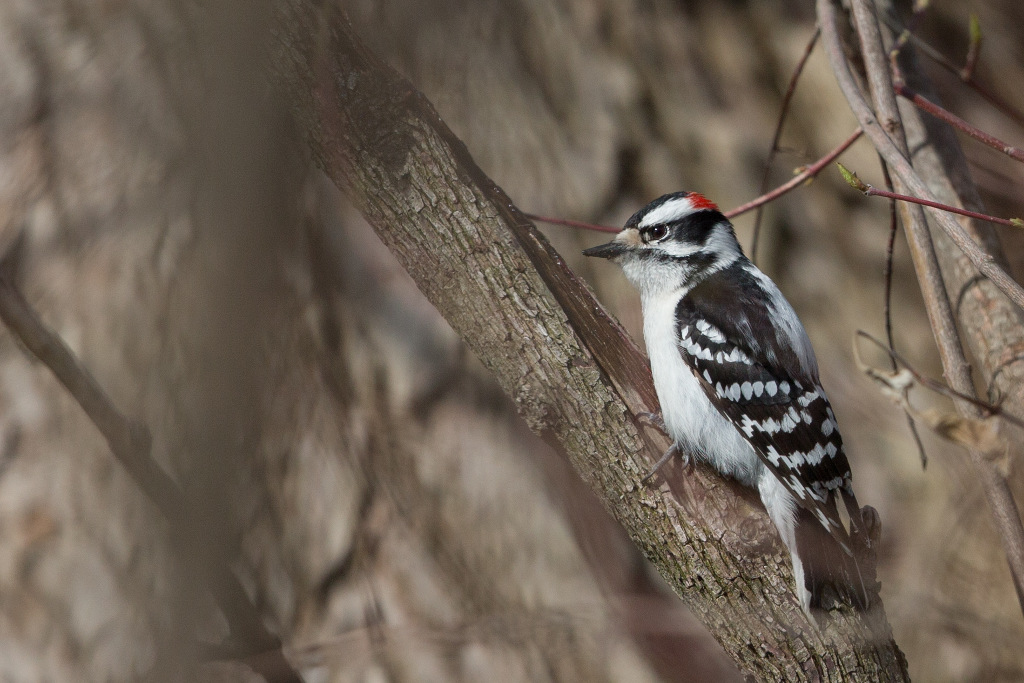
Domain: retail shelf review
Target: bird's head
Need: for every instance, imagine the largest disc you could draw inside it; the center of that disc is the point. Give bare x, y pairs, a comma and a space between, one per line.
671, 242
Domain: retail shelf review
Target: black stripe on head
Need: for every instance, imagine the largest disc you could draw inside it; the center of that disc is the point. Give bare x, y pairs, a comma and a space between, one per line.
695, 227
688, 217
698, 262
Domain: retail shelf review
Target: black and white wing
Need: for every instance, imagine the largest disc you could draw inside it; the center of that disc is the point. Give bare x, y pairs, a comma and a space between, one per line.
751, 372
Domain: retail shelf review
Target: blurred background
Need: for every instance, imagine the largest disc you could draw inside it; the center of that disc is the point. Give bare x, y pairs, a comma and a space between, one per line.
392, 516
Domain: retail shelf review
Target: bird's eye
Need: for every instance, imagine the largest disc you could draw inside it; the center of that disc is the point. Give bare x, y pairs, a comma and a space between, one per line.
655, 233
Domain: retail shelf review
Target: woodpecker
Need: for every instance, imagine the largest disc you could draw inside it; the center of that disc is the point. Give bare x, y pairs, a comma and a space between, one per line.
738, 383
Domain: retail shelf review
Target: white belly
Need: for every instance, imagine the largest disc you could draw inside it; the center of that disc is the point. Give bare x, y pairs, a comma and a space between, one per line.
692, 421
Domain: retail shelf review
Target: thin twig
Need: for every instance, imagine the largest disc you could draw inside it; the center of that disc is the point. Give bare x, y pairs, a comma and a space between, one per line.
940, 387
908, 29
967, 77
871, 191
973, 48
797, 180
783, 112
958, 123
571, 223
977, 433
130, 442
890, 250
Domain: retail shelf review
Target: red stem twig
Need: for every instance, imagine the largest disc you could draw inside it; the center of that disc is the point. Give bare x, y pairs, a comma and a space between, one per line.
797, 180
958, 123
571, 223
967, 77
872, 191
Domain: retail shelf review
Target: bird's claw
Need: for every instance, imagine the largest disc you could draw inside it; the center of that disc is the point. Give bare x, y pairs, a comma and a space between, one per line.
673, 450
652, 420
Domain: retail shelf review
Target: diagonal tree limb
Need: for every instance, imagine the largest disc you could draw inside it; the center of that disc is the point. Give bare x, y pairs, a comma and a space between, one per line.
130, 443
889, 138
574, 375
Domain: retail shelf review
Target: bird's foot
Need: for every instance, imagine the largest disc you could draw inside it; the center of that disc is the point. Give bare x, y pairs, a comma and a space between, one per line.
673, 450
652, 420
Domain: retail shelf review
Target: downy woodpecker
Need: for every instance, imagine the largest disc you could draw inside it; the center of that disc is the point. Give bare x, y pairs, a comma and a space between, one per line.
738, 382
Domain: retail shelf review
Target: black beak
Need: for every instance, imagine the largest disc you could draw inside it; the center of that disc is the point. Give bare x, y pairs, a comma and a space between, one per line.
610, 250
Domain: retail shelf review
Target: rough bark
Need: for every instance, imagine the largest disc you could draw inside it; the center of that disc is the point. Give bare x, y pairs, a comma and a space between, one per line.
476, 259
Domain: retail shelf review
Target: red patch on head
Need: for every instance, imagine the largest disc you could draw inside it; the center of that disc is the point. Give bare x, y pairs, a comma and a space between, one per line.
699, 201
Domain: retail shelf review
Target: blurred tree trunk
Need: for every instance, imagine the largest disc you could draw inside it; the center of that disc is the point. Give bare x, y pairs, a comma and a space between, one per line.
384, 505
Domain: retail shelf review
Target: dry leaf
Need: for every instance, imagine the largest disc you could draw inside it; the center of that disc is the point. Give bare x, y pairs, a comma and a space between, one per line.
975, 434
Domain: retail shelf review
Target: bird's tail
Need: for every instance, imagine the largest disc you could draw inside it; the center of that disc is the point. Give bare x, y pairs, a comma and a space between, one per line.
830, 567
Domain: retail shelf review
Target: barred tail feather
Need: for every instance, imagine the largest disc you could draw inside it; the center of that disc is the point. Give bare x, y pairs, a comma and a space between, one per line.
830, 572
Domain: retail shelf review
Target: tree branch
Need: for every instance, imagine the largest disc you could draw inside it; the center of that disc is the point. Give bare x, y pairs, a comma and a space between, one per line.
952, 119
872, 191
964, 73
574, 374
